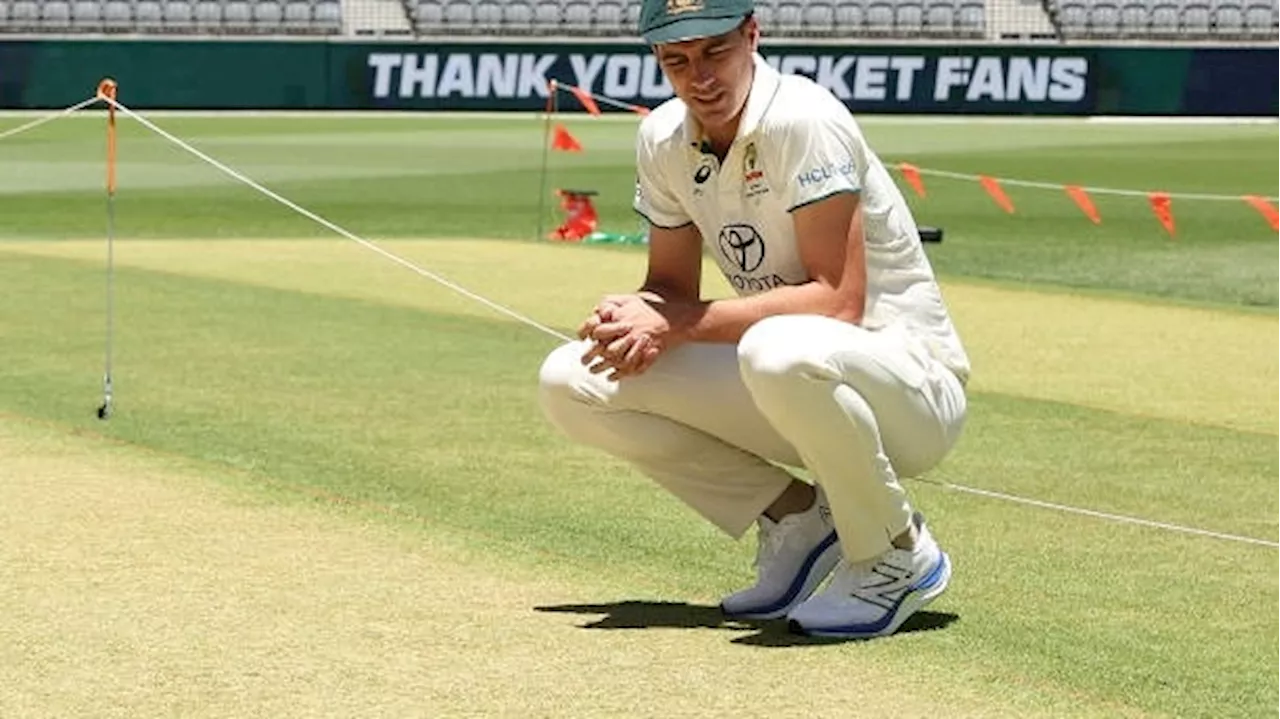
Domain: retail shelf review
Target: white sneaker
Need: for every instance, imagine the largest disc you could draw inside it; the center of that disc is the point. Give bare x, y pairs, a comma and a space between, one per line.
793, 557
874, 601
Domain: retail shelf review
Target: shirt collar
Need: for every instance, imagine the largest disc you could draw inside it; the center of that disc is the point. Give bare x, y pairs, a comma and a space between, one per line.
764, 86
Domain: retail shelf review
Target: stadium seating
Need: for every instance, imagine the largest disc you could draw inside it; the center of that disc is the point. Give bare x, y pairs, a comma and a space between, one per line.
794, 18
220, 17
798, 18
1119, 20
1166, 20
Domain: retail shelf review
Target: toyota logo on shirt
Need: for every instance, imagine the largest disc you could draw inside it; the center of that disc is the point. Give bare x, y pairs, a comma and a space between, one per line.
743, 246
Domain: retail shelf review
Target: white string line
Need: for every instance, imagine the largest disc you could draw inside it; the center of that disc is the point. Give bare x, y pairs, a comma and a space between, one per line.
547, 330
1120, 518
48, 118
962, 176
1094, 190
601, 98
340, 230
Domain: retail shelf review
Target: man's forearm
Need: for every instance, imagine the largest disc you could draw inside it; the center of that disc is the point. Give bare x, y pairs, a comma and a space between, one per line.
727, 320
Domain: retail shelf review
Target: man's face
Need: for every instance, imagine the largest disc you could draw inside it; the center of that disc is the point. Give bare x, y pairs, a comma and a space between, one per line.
712, 75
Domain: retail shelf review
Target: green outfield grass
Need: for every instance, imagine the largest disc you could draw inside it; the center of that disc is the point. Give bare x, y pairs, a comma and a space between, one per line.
459, 177
1115, 369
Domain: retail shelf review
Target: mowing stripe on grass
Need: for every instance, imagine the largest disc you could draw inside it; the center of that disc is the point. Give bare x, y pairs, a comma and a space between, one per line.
1196, 364
501, 309
1210, 366
324, 268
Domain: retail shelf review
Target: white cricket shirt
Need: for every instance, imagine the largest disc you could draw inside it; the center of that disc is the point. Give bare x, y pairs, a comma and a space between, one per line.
796, 144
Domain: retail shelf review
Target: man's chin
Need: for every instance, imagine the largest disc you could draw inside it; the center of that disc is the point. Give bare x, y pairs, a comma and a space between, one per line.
714, 115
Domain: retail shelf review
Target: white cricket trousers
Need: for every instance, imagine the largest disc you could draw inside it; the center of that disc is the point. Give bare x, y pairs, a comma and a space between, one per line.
711, 423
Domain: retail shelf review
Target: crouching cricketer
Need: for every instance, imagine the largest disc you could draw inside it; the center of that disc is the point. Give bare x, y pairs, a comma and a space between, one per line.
837, 355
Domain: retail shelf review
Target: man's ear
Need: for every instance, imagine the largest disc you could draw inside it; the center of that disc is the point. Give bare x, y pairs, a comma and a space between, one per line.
752, 28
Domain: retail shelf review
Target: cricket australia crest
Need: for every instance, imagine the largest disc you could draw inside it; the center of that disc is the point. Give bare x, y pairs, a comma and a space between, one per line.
677, 7
754, 183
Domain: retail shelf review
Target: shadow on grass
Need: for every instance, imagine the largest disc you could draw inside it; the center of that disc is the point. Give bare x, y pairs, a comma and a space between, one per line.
780, 636
634, 614
637, 614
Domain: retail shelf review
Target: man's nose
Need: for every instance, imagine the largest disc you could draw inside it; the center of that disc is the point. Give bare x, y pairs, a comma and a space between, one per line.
702, 76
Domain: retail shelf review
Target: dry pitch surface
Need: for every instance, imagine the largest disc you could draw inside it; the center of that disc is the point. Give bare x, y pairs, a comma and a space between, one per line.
134, 588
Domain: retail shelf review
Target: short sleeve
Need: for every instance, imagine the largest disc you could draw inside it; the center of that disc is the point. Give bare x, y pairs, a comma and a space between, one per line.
818, 158
655, 199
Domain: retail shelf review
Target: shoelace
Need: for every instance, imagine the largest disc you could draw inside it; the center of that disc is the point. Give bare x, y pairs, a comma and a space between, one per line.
769, 541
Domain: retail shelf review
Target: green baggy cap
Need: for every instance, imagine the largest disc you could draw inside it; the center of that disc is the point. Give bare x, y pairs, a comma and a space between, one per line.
663, 21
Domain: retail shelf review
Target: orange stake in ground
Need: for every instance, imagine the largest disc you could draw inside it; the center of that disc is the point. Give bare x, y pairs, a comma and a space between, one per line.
107, 91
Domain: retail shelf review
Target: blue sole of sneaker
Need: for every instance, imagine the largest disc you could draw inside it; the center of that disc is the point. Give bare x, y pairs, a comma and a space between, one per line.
931, 586
821, 563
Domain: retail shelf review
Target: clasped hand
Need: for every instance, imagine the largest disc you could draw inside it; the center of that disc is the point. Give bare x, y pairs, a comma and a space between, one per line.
627, 334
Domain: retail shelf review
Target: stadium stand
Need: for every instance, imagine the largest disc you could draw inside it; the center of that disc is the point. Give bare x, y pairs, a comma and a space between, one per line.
1165, 19
793, 18
173, 17
987, 20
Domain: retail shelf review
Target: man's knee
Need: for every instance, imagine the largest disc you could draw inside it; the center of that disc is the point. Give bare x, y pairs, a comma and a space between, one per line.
780, 348
578, 403
562, 366
562, 380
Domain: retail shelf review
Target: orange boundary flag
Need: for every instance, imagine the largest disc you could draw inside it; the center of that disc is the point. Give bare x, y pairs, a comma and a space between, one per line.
1265, 209
585, 98
912, 175
993, 188
1083, 201
562, 140
1162, 206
